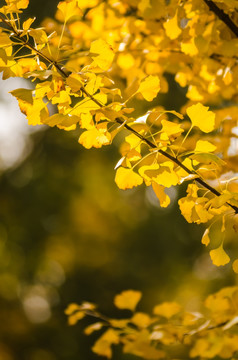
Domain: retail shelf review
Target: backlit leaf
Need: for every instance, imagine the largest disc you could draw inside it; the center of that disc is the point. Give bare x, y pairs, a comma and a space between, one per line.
102, 54
149, 87
201, 117
94, 138
127, 299
127, 178
219, 256
161, 195
167, 309
206, 238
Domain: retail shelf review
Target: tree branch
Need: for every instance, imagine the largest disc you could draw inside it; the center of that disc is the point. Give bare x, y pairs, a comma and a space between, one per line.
222, 16
120, 121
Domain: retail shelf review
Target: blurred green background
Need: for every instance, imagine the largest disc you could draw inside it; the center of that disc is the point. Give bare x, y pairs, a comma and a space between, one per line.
68, 234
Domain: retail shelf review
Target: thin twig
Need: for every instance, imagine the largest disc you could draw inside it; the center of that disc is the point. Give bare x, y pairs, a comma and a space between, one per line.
222, 16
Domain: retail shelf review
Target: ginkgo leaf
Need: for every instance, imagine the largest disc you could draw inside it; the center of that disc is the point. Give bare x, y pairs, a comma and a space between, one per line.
163, 198
4, 40
127, 178
149, 87
75, 82
23, 94
75, 317
235, 266
167, 309
206, 238
125, 61
127, 299
93, 327
219, 256
162, 174
171, 27
171, 129
94, 138
141, 320
201, 117
102, 54
103, 345
68, 9
204, 146
63, 120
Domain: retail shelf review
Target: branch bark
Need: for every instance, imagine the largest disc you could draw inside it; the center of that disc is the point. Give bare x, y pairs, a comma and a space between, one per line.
222, 16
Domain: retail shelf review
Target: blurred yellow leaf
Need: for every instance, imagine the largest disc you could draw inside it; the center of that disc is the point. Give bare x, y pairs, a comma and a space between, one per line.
93, 327
167, 309
125, 61
141, 320
171, 27
235, 266
75, 317
103, 345
68, 9
127, 299
219, 256
206, 238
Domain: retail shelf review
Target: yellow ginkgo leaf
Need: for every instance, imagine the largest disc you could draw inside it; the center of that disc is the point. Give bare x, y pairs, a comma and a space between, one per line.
127, 299
161, 195
235, 266
75, 317
149, 87
62, 120
127, 178
74, 81
204, 146
162, 174
102, 54
125, 61
201, 117
171, 129
103, 345
219, 256
68, 9
171, 27
206, 238
167, 309
141, 320
94, 138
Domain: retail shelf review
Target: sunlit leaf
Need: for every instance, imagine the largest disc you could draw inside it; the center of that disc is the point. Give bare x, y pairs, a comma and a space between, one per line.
127, 178
95, 138
163, 198
219, 256
68, 9
149, 87
102, 54
201, 117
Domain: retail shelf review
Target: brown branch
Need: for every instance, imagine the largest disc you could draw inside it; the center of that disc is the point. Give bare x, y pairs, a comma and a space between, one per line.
120, 121
222, 16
